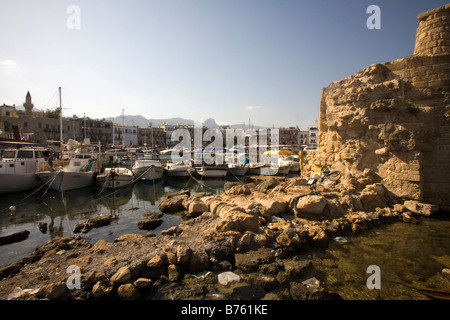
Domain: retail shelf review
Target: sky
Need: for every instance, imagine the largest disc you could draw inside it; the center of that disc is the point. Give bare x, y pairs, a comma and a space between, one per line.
236, 61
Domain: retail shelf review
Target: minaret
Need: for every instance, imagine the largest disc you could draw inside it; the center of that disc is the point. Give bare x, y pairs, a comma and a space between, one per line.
28, 105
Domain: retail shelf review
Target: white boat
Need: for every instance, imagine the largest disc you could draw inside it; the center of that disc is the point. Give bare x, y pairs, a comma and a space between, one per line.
238, 169
18, 169
268, 169
213, 171
79, 173
286, 157
115, 178
257, 168
179, 170
237, 163
148, 167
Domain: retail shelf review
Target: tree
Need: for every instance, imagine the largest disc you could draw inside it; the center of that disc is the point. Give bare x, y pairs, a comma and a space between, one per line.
54, 114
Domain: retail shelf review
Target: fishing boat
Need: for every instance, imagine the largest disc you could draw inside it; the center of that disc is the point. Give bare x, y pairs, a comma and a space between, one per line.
18, 169
236, 169
79, 173
237, 163
115, 178
213, 171
276, 165
147, 167
179, 170
286, 157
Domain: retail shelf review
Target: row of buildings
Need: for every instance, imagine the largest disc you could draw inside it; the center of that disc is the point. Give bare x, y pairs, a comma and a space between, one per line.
22, 123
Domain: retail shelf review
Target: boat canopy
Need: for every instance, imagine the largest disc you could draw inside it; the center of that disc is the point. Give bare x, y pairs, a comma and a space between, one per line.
280, 152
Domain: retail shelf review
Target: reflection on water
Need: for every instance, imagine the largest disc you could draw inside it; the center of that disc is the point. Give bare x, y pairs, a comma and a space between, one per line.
61, 213
408, 255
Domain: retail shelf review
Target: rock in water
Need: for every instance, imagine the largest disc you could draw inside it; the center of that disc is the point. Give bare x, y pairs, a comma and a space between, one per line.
15, 237
423, 209
149, 224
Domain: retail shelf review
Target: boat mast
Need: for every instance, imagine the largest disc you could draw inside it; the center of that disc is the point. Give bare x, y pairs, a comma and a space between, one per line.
60, 124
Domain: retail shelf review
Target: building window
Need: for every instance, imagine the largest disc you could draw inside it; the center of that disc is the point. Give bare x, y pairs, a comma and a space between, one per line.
39, 125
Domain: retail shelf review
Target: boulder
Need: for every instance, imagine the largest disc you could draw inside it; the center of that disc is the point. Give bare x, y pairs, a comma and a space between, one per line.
267, 185
155, 262
102, 290
149, 224
371, 199
122, 275
273, 206
86, 225
196, 208
128, 292
238, 190
183, 254
198, 261
311, 205
11, 269
296, 269
422, 209
238, 221
15, 237
173, 204
143, 283
289, 238
52, 290
173, 272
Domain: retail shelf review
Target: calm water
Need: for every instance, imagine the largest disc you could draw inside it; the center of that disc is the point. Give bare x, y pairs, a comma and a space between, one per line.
61, 214
407, 254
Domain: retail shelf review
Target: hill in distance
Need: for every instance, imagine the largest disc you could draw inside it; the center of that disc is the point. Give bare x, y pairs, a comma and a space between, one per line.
138, 120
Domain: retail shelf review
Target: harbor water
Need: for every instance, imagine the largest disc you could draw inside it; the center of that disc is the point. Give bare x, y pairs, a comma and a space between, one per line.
62, 212
408, 255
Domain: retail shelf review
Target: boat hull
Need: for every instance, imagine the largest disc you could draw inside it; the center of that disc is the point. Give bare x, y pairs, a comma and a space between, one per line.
179, 172
238, 170
16, 182
213, 172
114, 182
151, 174
64, 181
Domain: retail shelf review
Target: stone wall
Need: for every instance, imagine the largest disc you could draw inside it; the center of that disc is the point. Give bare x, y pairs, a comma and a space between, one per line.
433, 34
390, 123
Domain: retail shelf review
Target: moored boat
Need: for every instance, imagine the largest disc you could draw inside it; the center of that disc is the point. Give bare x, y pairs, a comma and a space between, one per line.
79, 173
18, 169
147, 167
213, 171
238, 169
115, 178
179, 170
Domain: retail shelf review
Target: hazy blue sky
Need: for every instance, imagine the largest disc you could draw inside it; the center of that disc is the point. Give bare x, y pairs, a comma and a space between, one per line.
231, 60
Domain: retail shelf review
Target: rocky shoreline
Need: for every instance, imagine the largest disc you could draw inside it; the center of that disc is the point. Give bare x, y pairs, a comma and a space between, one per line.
251, 234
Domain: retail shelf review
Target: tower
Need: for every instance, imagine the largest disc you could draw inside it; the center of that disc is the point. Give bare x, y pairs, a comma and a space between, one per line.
433, 34
28, 105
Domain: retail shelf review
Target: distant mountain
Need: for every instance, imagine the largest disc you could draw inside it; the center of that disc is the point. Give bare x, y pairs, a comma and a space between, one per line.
143, 122
138, 120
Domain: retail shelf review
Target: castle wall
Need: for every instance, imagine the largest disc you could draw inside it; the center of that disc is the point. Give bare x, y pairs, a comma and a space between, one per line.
433, 34
390, 122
